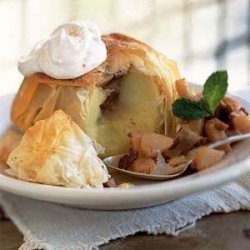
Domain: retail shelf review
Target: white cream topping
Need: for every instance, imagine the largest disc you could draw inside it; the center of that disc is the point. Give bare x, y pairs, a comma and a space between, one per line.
72, 50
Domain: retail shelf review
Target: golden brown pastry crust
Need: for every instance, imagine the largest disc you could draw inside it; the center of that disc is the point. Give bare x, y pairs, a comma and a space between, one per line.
56, 151
10, 139
123, 52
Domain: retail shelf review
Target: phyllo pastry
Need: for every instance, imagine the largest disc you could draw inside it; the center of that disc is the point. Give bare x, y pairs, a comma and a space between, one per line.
10, 139
56, 151
133, 90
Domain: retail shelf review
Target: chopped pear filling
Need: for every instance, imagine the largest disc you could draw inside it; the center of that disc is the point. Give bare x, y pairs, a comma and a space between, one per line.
131, 103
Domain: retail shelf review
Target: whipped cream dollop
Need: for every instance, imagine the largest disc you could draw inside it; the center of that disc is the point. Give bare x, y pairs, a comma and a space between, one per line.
72, 50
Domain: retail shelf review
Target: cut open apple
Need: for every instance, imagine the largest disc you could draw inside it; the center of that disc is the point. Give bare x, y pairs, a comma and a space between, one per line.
132, 102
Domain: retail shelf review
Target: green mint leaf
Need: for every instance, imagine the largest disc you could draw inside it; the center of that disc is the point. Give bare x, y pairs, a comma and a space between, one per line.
188, 109
214, 90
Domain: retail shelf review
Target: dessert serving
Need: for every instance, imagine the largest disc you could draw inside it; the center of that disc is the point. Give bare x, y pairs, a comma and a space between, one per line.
87, 96
130, 89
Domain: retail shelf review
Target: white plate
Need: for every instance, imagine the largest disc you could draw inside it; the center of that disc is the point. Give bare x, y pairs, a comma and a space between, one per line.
143, 194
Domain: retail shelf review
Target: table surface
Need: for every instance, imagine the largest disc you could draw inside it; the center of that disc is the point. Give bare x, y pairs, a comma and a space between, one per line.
215, 232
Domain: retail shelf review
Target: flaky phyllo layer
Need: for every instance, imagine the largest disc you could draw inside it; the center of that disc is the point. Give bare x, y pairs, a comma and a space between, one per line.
133, 90
56, 151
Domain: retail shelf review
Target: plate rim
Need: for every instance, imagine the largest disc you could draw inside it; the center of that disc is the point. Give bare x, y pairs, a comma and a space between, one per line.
194, 183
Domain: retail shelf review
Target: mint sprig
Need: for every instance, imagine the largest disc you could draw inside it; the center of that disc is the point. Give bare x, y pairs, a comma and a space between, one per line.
213, 92
188, 109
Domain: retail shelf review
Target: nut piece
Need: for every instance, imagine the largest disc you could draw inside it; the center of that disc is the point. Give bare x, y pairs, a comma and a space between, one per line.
151, 143
185, 140
206, 157
143, 165
214, 132
240, 122
220, 125
232, 103
126, 161
148, 144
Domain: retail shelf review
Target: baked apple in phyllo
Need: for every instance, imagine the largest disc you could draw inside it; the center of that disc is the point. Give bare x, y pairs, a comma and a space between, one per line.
131, 90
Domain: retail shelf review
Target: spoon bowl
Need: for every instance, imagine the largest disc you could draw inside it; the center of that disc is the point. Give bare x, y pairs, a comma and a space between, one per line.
113, 161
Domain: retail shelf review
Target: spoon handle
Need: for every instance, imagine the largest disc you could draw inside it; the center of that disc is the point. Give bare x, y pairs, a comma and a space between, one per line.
229, 140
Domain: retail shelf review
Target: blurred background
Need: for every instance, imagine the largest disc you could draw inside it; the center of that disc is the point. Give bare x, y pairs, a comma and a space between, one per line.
200, 35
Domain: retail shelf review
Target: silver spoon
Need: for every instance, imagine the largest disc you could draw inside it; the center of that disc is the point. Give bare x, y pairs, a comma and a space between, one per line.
112, 161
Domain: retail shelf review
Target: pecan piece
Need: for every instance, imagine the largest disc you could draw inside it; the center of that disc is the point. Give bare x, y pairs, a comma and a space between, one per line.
127, 160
